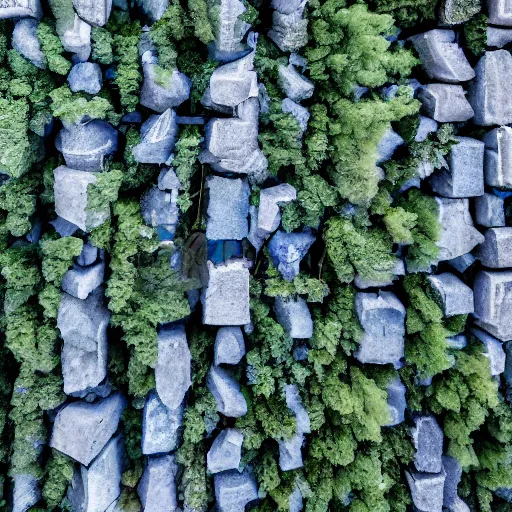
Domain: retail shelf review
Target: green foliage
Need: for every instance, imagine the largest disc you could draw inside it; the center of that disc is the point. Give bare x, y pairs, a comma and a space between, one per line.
408, 12
104, 190
59, 472
58, 257
475, 34
52, 49
102, 45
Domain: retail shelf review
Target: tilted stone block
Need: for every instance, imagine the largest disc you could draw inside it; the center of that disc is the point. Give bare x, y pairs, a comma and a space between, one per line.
296, 86
396, 401
427, 438
459, 506
167, 180
498, 157
425, 127
226, 391
496, 250
300, 113
426, 490
294, 317
388, 145
80, 282
289, 31
85, 77
446, 103
500, 12
493, 351
26, 491
26, 41
229, 346
95, 12
498, 37
234, 490
20, 9
490, 211
88, 256
226, 451
295, 501
462, 263
269, 215
290, 452
456, 298
157, 487
453, 471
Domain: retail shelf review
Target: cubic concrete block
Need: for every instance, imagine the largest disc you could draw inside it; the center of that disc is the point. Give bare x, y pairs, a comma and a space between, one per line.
490, 91
233, 83
492, 350
81, 429
498, 157
465, 176
80, 282
228, 208
498, 37
300, 113
462, 263
388, 145
453, 471
95, 13
26, 492
226, 391
157, 487
426, 490
458, 234
85, 77
226, 298
20, 9
294, 317
234, 490
269, 215
456, 298
26, 42
226, 451
493, 302
441, 57
425, 127
382, 317
290, 452
396, 401
229, 346
293, 84
289, 31
499, 12
490, 211
160, 426
427, 438
496, 250
173, 367
446, 103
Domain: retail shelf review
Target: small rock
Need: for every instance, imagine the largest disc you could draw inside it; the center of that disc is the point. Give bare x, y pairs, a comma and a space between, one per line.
459, 11
290, 452
86, 77
457, 342
446, 103
498, 37
269, 215
294, 85
294, 403
499, 12
229, 346
167, 180
76, 38
256, 236
26, 487
388, 145
94, 13
498, 163
300, 113
20, 9
26, 42
155, 8
289, 31
459, 506
234, 490
453, 471
295, 502
396, 401
462, 263
496, 250
226, 451
81, 430
88, 256
493, 351
294, 317
427, 437
157, 487
426, 490
80, 282
455, 297
226, 391
425, 127
490, 211
160, 208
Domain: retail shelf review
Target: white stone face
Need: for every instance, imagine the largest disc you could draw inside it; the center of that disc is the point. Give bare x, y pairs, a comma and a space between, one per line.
20, 9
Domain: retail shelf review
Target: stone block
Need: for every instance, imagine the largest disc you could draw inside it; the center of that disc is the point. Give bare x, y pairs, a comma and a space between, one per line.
20, 9
85, 77
80, 282
234, 490
94, 12
226, 451
173, 367
226, 391
228, 208
167, 180
498, 37
458, 234
453, 471
490, 211
160, 426
388, 145
498, 157
157, 487
496, 250
446, 103
459, 506
294, 317
396, 401
76, 38
382, 317
26, 492
226, 298
289, 31
81, 430
300, 113
499, 12
294, 403
269, 215
493, 302
492, 350
229, 346
465, 177
296, 86
490, 91
234, 83
83, 328
63, 227
458, 11
426, 490
256, 235
462, 263
290, 452
441, 57
26, 41
295, 501
455, 297
71, 198
288, 6
427, 438
425, 127
85, 146
457, 342
154, 8
160, 208
88, 256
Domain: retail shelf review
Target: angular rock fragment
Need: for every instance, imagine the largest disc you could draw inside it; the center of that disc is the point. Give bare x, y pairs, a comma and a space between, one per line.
290, 452
459, 506
295, 501
20, 9
294, 85
426, 490
382, 317
294, 403
269, 215
294, 317
446, 103
234, 490
229, 346
459, 11
458, 234
287, 6
288, 249
160, 209
167, 180
71, 198
498, 37
160, 426
300, 113
425, 127
289, 30
85, 77
226, 298
63, 227
496, 250
457, 342
158, 136
490, 91
26, 491
493, 351
490, 211
155, 96
76, 38
155, 8
26, 42
499, 12
228, 208
462, 263
85, 146
396, 401
94, 12
81, 429
80, 282
456, 297
157, 487
498, 157
493, 302
226, 391
427, 437
441, 57
453, 471
388, 145
226, 451
172, 371
88, 256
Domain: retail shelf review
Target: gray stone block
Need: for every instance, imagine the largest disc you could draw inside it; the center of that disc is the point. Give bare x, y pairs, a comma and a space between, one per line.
226, 451
300, 113
458, 234
453, 471
294, 317
256, 235
498, 37
161, 92
26, 492
80, 282
441, 57
388, 145
294, 403
81, 430
160, 208
382, 317
288, 6
95, 13
167, 180
20, 9
289, 31
26, 41
493, 351
229, 346
459, 11
158, 137
233, 83
499, 12
490, 211
288, 249
445, 103
226, 298
493, 302
155, 8
425, 127
70, 189
83, 328
173, 368
465, 177
498, 157
455, 297
427, 438
85, 77
228, 208
295, 501
462, 263
63, 227
459, 506
269, 215
226, 391
496, 250
234, 490
290, 452
76, 38
396, 401
88, 256
296, 86
490, 91
160, 426
457, 342
426, 490
157, 487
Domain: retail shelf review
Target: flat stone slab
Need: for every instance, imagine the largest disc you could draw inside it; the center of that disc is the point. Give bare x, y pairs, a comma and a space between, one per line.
456, 297
446, 103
